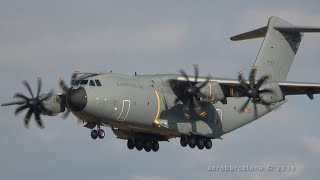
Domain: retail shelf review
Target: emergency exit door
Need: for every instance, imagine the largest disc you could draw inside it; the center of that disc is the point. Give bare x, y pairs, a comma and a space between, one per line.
125, 110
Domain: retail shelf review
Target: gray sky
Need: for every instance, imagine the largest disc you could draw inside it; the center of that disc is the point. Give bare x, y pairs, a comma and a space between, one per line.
53, 38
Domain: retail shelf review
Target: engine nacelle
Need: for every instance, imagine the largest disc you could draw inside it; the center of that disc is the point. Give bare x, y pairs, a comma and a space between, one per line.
54, 105
213, 91
276, 96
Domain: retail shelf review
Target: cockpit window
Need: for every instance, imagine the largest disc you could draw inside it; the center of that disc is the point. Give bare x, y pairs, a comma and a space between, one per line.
98, 82
75, 82
83, 82
91, 83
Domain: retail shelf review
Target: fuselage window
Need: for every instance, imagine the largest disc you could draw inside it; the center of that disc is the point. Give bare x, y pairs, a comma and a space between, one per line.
83, 82
91, 83
97, 82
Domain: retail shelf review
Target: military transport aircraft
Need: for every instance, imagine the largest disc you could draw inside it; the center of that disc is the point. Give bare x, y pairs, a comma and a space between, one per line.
146, 109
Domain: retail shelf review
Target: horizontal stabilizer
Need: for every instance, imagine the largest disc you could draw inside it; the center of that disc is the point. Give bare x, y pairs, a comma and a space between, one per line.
294, 29
257, 33
261, 32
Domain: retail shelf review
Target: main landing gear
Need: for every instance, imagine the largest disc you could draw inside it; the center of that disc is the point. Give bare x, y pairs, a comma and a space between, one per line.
97, 133
193, 141
146, 144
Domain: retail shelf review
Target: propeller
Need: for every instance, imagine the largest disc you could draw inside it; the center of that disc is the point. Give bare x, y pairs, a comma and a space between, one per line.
34, 104
253, 89
66, 89
190, 94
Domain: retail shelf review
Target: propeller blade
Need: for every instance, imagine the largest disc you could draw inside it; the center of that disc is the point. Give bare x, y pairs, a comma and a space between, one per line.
28, 87
186, 113
243, 91
196, 72
252, 77
21, 108
39, 87
38, 119
198, 109
63, 85
195, 102
242, 81
261, 81
203, 83
200, 94
14, 103
240, 77
74, 74
244, 106
27, 118
255, 110
184, 74
19, 95
188, 104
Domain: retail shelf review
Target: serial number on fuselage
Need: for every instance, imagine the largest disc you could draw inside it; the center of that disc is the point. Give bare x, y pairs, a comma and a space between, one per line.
129, 85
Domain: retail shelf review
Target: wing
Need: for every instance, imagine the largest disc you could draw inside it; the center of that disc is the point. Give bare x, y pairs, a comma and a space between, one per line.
288, 88
293, 88
230, 87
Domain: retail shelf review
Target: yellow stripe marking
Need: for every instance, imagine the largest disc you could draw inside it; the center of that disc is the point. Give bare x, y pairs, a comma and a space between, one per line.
186, 115
203, 113
210, 89
158, 108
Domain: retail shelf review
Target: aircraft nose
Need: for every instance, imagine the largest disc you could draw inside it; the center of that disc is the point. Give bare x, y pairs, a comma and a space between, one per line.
77, 99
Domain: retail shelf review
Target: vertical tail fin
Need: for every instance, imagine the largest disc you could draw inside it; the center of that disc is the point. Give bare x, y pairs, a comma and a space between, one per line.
280, 45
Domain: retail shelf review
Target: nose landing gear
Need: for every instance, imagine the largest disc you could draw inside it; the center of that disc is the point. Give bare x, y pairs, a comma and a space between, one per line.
94, 134
101, 133
97, 133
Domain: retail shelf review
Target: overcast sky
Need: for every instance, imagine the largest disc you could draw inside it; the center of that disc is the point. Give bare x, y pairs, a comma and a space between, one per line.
52, 38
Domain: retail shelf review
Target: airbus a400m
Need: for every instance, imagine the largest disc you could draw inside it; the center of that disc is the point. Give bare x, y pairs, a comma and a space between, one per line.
146, 109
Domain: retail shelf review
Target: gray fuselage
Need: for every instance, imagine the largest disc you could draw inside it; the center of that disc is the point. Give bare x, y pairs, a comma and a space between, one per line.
145, 103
